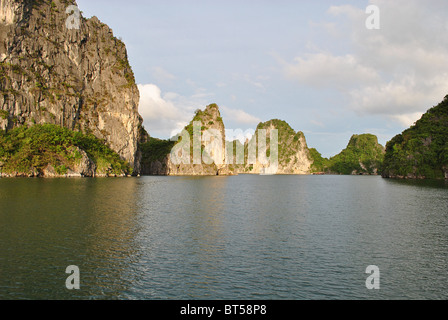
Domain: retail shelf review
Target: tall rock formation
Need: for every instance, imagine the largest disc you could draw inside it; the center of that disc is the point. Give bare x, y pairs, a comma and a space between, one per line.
293, 153
200, 153
76, 76
221, 157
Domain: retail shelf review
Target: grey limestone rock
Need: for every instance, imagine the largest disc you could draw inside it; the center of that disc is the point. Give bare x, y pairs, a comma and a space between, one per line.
76, 78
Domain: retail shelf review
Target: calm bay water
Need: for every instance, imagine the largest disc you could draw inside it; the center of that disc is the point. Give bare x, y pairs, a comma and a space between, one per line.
243, 237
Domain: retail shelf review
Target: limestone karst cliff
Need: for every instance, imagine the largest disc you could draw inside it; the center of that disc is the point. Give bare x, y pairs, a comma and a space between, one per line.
221, 157
54, 73
292, 157
200, 149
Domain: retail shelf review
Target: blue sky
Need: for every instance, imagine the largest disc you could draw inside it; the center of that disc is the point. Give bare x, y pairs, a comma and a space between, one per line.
313, 64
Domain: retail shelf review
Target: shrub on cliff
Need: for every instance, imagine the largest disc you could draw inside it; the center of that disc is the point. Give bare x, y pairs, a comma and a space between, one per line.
24, 150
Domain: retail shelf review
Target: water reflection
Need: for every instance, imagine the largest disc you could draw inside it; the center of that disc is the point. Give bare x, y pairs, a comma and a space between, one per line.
430, 183
245, 237
47, 225
187, 217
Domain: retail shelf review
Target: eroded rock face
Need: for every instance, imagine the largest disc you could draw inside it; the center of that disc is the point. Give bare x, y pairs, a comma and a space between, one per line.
211, 151
293, 153
9, 12
85, 167
77, 78
212, 142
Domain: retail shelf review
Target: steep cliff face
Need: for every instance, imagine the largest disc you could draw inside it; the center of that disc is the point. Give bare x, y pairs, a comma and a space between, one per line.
293, 153
198, 150
420, 152
78, 78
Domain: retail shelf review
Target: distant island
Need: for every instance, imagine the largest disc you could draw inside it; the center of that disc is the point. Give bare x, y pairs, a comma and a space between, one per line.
363, 155
69, 108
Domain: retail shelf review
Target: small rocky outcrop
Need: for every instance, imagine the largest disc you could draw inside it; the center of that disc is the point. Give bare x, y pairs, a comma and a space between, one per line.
362, 156
53, 151
85, 166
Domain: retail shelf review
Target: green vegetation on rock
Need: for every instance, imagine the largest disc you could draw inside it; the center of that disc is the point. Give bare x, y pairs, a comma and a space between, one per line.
80, 79
422, 150
293, 153
155, 150
320, 164
155, 153
289, 141
363, 155
26, 151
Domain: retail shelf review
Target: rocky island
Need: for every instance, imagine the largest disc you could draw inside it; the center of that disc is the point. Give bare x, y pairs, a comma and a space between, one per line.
363, 156
75, 78
157, 155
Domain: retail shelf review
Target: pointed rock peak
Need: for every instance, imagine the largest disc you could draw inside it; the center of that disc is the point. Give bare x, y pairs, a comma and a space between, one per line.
212, 108
210, 114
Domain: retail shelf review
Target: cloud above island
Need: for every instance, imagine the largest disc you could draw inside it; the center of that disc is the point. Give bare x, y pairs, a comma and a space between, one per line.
311, 63
167, 114
239, 116
398, 71
160, 114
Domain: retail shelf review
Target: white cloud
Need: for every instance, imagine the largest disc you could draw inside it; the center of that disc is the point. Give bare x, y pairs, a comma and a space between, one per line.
317, 123
398, 72
239, 134
256, 82
405, 96
348, 10
239, 116
161, 115
167, 114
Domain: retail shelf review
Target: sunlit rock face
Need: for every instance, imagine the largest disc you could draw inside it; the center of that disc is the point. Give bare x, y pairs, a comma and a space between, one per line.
79, 78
